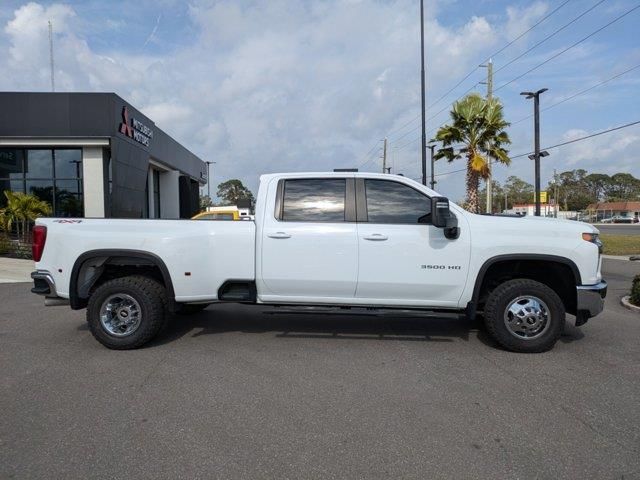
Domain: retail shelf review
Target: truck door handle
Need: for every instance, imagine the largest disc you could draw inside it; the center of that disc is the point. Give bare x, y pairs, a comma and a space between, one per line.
279, 235
376, 237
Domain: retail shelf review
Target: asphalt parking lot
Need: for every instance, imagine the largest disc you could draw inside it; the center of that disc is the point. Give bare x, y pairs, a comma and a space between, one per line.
236, 393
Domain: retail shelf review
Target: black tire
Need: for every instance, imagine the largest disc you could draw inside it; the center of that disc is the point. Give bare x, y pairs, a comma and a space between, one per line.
503, 296
150, 297
191, 308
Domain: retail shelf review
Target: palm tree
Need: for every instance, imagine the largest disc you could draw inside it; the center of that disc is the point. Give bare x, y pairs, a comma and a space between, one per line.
21, 210
478, 125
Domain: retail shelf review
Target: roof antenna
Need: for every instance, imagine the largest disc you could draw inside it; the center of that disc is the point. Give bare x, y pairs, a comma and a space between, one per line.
53, 84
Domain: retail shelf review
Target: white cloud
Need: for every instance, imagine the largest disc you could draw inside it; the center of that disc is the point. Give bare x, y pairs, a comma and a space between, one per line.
621, 146
267, 86
521, 19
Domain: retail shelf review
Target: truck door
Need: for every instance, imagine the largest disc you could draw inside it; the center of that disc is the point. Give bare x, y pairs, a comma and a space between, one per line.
309, 243
404, 260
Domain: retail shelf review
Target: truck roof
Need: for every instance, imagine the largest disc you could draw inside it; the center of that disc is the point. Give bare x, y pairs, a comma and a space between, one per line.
269, 176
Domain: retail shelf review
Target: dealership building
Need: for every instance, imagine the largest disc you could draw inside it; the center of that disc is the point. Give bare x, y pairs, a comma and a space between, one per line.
95, 155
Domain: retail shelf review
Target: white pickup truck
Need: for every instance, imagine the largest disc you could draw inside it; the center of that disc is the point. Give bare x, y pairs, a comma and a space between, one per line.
327, 240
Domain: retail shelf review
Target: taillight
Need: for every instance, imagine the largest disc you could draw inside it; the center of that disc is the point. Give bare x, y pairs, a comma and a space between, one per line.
39, 239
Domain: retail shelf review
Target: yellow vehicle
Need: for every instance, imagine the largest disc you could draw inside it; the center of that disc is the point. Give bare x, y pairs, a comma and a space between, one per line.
219, 213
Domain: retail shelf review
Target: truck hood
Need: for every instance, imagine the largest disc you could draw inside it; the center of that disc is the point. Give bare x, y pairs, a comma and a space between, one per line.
546, 222
536, 226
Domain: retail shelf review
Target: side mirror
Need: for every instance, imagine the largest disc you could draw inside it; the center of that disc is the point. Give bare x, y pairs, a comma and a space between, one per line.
441, 217
440, 212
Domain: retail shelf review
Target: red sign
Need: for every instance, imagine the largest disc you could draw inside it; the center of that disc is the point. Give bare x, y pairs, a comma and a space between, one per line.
125, 128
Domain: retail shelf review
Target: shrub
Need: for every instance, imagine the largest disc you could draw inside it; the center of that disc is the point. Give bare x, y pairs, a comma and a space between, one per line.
635, 291
5, 244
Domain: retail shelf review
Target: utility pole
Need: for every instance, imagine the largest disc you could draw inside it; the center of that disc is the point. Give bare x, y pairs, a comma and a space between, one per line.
422, 90
384, 157
536, 133
53, 84
433, 180
555, 193
489, 83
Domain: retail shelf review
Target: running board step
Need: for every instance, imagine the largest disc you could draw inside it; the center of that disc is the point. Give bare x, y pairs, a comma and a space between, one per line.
361, 311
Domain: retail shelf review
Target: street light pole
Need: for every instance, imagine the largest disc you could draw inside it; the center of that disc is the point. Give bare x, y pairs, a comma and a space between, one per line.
424, 134
536, 154
433, 181
209, 179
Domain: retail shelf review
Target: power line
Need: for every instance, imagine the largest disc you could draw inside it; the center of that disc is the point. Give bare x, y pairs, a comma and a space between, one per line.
586, 137
431, 118
368, 154
502, 49
461, 81
549, 36
581, 138
570, 47
452, 171
391, 132
528, 30
579, 93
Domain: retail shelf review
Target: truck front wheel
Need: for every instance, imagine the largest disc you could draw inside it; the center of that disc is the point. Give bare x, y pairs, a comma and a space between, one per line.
127, 312
523, 315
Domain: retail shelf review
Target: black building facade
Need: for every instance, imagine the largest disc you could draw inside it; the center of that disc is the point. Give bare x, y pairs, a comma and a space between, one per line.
95, 155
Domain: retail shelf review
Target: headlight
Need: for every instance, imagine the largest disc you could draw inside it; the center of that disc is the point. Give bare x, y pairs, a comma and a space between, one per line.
593, 238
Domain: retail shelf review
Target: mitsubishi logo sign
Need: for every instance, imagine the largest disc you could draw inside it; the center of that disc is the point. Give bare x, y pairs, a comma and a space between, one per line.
125, 128
135, 128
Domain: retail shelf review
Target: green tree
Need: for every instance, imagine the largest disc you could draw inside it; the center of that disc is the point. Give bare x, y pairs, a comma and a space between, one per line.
518, 191
205, 202
573, 190
623, 186
478, 124
597, 184
497, 196
233, 190
21, 210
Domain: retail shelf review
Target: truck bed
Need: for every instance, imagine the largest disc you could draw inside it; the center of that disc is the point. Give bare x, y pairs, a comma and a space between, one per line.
200, 255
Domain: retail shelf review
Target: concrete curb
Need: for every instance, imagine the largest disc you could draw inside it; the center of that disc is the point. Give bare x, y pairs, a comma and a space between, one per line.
15, 270
626, 258
626, 304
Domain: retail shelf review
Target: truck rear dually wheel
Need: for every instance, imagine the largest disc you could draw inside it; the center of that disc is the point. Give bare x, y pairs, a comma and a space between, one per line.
127, 312
524, 315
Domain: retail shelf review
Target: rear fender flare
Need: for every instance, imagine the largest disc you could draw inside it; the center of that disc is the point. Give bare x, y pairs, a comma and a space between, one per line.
77, 294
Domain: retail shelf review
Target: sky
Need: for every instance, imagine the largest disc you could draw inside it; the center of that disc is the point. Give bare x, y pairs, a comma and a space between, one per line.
291, 85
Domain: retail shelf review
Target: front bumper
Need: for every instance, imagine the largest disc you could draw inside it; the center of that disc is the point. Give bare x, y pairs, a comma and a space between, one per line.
591, 299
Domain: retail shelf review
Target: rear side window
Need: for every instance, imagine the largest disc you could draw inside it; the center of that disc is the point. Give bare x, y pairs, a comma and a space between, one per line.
393, 202
314, 200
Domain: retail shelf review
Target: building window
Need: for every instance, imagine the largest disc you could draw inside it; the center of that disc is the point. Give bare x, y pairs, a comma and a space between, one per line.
53, 175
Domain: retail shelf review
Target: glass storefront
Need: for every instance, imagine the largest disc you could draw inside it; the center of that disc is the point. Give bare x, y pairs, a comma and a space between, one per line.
53, 175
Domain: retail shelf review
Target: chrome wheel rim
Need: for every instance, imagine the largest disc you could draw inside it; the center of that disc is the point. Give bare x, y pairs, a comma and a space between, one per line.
527, 317
120, 315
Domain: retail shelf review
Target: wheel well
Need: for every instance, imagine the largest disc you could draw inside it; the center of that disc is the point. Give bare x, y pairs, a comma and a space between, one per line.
94, 268
559, 276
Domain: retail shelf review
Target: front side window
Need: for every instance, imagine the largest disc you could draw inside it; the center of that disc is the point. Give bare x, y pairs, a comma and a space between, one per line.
314, 200
393, 202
